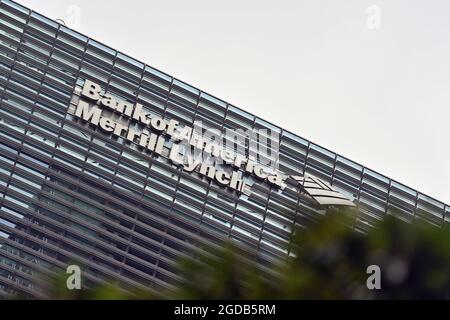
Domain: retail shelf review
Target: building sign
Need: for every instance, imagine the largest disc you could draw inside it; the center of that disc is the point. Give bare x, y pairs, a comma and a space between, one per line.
189, 148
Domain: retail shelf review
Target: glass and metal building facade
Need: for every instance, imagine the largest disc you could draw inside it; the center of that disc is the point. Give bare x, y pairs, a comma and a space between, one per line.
69, 193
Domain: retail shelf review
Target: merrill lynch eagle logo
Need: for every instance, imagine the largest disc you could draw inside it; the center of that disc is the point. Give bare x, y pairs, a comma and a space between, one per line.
321, 192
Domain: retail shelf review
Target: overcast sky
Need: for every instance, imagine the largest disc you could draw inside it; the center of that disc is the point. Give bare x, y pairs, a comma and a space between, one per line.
369, 80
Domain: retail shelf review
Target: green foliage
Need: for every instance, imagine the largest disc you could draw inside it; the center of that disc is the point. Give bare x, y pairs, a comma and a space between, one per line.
226, 275
329, 261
